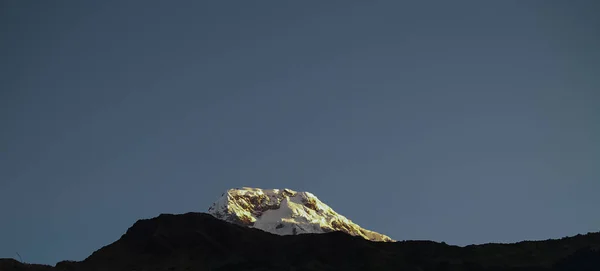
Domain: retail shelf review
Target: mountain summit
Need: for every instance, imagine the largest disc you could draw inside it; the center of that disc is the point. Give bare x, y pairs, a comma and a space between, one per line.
285, 212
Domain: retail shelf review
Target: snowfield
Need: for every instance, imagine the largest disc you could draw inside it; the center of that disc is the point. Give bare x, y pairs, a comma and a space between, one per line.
285, 212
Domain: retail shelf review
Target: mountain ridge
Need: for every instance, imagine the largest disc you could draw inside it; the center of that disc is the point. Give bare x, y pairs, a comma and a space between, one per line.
199, 241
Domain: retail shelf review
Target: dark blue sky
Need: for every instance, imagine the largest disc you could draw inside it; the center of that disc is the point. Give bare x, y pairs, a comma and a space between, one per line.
463, 122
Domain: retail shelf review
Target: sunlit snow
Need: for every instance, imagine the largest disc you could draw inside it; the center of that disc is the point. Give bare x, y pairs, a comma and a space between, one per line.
284, 212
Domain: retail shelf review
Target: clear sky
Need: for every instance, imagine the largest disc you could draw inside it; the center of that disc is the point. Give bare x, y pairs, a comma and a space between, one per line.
463, 122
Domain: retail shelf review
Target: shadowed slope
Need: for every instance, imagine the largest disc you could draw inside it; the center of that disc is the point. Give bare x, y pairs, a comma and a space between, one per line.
196, 241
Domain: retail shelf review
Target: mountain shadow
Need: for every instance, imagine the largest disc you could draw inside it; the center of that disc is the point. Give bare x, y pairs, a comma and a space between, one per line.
198, 241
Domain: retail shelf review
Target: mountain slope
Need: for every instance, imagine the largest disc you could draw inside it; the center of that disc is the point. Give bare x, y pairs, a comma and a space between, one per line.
196, 241
285, 212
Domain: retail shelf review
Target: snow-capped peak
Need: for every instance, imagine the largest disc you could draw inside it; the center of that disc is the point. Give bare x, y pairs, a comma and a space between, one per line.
284, 212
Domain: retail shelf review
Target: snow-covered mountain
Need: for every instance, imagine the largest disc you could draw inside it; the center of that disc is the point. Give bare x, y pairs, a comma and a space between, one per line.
285, 212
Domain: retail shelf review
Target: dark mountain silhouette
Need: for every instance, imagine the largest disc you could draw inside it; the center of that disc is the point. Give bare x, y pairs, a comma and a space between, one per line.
197, 241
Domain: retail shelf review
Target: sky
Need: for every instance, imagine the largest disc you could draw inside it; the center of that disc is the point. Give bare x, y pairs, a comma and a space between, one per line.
463, 122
